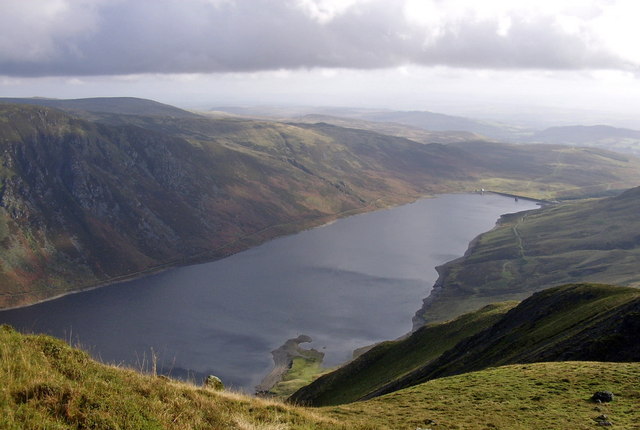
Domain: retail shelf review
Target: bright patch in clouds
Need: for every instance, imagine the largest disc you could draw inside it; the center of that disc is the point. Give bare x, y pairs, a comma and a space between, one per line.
113, 37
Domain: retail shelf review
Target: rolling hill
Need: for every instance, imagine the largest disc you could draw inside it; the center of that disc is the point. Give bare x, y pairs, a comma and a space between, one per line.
601, 136
392, 129
417, 119
114, 105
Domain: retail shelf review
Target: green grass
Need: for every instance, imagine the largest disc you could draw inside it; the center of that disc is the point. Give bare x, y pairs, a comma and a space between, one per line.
303, 371
517, 397
48, 385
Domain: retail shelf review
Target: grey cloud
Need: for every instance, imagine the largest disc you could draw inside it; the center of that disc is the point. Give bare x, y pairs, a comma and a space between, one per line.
192, 36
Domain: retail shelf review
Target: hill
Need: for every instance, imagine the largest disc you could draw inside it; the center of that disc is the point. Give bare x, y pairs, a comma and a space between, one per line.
440, 122
114, 105
587, 241
84, 203
601, 136
518, 397
421, 120
392, 129
47, 384
587, 322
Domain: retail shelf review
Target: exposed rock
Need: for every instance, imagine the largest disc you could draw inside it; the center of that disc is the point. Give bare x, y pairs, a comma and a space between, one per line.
214, 383
602, 396
603, 421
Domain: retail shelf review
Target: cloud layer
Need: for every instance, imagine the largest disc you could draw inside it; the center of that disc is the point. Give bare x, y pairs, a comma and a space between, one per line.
119, 37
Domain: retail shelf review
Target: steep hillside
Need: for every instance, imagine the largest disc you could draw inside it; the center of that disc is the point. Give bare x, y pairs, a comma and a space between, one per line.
83, 203
389, 360
591, 322
588, 241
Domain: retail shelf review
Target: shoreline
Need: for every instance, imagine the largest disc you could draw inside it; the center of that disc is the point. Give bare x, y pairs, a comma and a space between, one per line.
282, 230
242, 243
438, 286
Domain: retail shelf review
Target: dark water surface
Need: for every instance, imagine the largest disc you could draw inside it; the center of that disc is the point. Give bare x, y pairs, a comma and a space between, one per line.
347, 285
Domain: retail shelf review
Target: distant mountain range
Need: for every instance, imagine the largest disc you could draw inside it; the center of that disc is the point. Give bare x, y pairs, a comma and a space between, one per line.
443, 128
601, 136
423, 120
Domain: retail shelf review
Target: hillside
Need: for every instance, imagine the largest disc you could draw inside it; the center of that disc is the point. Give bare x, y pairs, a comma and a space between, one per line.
421, 120
392, 129
440, 122
601, 136
589, 322
389, 360
47, 384
83, 202
115, 105
587, 241
517, 397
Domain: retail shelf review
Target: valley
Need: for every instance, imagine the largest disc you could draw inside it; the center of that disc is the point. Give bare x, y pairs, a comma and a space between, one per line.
99, 191
119, 194
319, 214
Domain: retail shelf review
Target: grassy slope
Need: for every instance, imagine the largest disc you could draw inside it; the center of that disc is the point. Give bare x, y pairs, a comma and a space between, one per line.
518, 397
48, 385
571, 322
588, 241
390, 360
302, 372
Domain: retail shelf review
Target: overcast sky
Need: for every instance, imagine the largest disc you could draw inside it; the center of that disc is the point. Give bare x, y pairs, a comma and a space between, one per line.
451, 55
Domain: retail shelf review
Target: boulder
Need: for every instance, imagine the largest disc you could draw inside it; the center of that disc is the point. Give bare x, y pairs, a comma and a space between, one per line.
602, 396
214, 383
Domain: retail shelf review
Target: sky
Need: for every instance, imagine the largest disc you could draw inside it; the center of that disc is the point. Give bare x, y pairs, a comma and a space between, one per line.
454, 56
